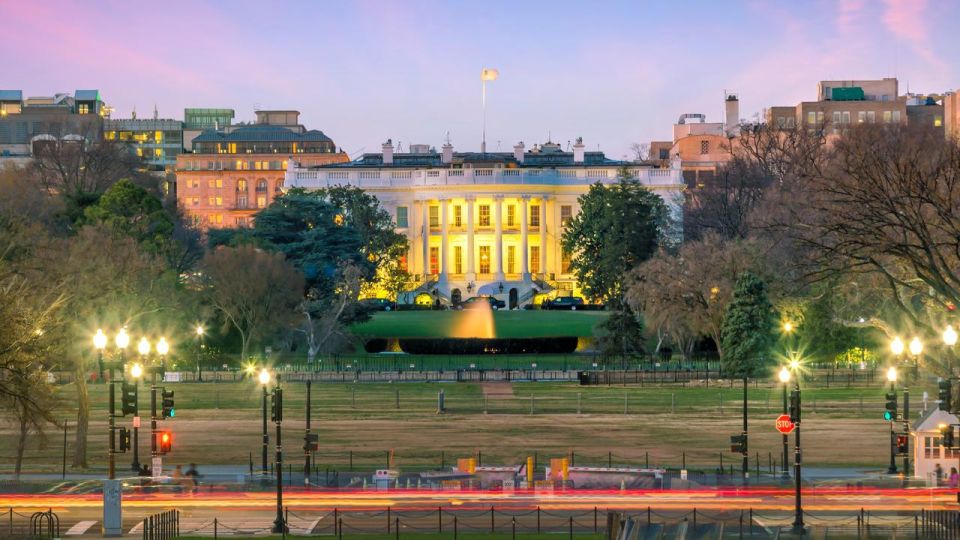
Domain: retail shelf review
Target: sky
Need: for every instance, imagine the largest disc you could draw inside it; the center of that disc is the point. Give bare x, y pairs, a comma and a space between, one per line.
614, 73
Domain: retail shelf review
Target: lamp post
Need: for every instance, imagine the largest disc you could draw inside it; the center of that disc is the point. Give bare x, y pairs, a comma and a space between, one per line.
136, 371
143, 347
892, 377
264, 379
200, 332
798, 527
279, 523
100, 343
785, 379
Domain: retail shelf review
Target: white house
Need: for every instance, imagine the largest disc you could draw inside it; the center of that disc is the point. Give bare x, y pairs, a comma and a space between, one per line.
928, 450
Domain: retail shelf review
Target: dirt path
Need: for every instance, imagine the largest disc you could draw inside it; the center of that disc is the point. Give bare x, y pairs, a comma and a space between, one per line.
497, 390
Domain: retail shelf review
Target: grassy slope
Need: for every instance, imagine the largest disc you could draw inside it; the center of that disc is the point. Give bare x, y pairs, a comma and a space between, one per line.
508, 324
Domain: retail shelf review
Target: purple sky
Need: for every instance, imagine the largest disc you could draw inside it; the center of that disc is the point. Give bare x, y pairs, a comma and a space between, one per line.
612, 72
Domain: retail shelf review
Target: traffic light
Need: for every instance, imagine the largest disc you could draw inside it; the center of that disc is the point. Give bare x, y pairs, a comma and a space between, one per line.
311, 443
168, 409
128, 398
795, 406
945, 395
276, 405
166, 441
903, 444
891, 413
946, 434
124, 440
738, 444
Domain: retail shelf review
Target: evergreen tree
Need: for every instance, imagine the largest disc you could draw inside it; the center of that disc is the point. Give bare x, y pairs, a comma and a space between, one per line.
749, 329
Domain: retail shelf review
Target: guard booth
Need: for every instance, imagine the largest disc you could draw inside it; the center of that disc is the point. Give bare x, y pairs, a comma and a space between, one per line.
928, 449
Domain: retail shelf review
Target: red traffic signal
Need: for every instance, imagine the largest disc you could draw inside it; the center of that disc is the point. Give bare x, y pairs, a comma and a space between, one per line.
903, 444
166, 441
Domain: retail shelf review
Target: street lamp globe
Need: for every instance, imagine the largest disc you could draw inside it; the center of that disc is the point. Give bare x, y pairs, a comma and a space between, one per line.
143, 347
200, 331
100, 340
163, 347
122, 339
264, 377
896, 346
136, 371
916, 347
788, 327
784, 375
892, 374
949, 336
794, 363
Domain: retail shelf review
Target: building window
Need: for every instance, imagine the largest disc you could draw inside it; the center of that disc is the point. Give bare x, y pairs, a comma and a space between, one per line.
261, 201
485, 215
937, 121
837, 117
434, 217
434, 260
458, 217
871, 117
241, 185
861, 117
402, 220
83, 108
457, 259
846, 117
887, 115
535, 259
242, 200
811, 118
484, 259
931, 447
664, 153
704, 147
196, 201
534, 215
564, 262
241, 222
566, 214
261, 186
511, 259
511, 215
217, 219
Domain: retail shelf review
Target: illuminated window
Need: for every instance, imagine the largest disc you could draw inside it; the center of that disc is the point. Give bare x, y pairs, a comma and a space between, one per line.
241, 185
811, 118
434, 215
458, 217
566, 214
110, 135
218, 218
457, 259
434, 260
83, 108
861, 117
139, 152
534, 215
211, 201
820, 117
511, 214
485, 215
511, 259
232, 148
535, 259
937, 121
887, 115
565, 262
196, 201
261, 201
402, 218
158, 153
158, 136
403, 262
484, 259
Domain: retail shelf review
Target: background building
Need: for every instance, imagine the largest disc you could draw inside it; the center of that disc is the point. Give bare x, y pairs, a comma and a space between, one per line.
26, 123
233, 172
195, 121
483, 223
156, 141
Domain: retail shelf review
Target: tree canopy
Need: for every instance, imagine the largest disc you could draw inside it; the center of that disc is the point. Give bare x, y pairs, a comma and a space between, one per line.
747, 335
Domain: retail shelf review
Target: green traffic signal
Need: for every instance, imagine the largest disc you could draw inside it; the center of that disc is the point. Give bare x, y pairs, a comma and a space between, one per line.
888, 416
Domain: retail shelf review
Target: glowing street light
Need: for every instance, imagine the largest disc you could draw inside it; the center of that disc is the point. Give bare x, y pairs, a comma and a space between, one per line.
896, 346
892, 374
788, 327
163, 347
794, 363
136, 371
949, 336
264, 377
200, 331
100, 340
143, 347
784, 375
122, 339
916, 347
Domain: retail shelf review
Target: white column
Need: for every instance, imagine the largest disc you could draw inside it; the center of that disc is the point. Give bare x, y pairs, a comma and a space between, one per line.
543, 235
524, 244
425, 213
444, 242
471, 269
498, 231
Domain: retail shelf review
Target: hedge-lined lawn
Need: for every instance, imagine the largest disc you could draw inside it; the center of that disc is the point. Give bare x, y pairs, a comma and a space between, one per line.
507, 324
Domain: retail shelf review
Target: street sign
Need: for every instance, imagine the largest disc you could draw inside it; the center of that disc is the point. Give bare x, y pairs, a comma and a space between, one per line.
784, 425
136, 421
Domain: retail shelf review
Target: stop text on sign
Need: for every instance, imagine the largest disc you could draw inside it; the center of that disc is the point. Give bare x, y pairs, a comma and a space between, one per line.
784, 425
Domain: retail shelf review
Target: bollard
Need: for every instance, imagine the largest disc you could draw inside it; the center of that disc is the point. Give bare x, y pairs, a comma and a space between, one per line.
740, 530
339, 528
491, 519
648, 516
396, 527
215, 528
594, 520
646, 460
609, 460
538, 519
513, 528
439, 519
694, 519
388, 520
454, 527
571, 527
684, 461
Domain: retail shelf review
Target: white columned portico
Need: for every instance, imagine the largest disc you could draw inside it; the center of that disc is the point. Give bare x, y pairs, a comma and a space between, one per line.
498, 233
543, 235
524, 243
425, 220
471, 269
444, 242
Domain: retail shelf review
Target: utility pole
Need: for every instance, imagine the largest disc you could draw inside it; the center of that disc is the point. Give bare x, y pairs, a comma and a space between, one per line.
279, 524
798, 527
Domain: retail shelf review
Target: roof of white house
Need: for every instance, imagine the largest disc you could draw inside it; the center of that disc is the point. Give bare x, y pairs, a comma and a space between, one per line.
932, 418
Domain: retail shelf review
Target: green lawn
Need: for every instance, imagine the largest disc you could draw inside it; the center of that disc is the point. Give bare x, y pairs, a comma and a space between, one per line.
507, 324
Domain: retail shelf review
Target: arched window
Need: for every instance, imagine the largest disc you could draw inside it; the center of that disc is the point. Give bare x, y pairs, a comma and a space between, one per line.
261, 186
241, 185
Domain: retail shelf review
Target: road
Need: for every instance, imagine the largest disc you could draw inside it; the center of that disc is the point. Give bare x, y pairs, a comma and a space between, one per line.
316, 510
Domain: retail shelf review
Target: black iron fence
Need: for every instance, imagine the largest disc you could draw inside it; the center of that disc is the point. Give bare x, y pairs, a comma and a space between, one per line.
162, 526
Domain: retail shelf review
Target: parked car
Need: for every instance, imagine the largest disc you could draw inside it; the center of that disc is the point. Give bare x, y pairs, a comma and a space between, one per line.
569, 303
378, 304
477, 301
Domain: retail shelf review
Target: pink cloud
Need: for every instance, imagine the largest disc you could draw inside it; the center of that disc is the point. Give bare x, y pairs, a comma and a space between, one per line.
849, 14
904, 19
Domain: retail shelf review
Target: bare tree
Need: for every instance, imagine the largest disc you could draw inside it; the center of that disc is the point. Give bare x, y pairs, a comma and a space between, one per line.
32, 407
256, 291
320, 327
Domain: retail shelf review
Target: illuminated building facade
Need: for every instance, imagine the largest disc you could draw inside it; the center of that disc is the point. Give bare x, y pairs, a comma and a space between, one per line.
236, 171
483, 223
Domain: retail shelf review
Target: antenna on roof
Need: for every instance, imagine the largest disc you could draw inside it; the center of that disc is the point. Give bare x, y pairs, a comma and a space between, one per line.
568, 145
133, 115
447, 138
399, 147
155, 113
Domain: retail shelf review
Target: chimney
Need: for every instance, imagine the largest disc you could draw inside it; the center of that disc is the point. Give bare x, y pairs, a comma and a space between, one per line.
388, 152
447, 156
578, 151
732, 110
518, 152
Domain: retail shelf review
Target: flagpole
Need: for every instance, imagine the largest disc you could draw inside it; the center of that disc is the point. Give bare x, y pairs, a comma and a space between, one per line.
483, 100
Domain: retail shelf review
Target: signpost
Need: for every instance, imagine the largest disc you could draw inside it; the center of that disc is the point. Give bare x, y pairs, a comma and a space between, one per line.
784, 425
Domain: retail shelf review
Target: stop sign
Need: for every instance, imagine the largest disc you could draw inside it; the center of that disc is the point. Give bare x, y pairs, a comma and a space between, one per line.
784, 425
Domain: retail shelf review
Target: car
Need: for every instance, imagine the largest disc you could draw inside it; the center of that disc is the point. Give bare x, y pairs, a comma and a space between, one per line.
378, 304
479, 301
570, 303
